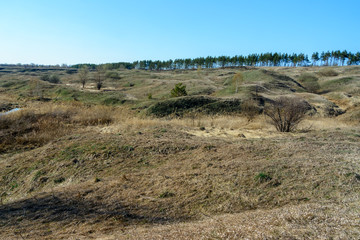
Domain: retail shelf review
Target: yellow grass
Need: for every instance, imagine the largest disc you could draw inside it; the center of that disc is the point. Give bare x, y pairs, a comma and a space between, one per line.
70, 170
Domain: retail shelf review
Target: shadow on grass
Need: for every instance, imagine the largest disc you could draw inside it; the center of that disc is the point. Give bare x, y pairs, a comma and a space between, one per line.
33, 213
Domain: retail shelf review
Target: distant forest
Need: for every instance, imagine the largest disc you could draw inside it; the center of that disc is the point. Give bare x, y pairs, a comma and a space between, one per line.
333, 58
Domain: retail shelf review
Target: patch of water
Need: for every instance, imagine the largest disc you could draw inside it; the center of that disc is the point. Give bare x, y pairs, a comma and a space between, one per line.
11, 111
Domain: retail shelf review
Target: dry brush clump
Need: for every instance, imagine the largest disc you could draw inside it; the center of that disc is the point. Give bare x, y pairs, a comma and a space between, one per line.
286, 113
27, 129
34, 127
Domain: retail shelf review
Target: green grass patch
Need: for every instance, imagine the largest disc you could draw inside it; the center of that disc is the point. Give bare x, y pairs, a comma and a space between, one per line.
96, 98
263, 177
255, 76
336, 83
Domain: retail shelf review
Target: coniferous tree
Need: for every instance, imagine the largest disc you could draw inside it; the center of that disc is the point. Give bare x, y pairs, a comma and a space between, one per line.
315, 58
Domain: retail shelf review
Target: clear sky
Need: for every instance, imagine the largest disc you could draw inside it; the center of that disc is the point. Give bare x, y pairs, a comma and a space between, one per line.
100, 31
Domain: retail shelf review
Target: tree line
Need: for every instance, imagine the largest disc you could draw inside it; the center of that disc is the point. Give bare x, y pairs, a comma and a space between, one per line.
329, 58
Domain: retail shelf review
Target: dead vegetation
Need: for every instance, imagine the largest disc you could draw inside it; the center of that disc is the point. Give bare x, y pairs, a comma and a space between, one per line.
32, 127
163, 176
286, 113
74, 170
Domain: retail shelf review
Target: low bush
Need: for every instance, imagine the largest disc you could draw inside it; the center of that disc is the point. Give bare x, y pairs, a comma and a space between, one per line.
286, 113
179, 105
207, 105
53, 78
220, 106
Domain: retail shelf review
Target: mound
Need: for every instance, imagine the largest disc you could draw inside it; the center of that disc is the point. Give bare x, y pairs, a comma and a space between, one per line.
208, 105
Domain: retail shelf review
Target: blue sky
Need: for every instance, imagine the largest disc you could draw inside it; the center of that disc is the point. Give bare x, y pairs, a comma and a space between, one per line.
90, 31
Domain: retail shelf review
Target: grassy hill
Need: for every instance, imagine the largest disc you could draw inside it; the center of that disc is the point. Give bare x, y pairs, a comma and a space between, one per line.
118, 164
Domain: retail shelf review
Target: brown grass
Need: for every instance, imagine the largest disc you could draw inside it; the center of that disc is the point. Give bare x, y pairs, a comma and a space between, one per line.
28, 129
35, 126
96, 172
305, 221
203, 178
327, 72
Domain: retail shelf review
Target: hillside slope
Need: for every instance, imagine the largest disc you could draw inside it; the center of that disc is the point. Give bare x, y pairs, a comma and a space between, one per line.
75, 165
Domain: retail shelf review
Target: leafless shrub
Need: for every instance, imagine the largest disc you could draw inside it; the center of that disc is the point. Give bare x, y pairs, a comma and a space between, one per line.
286, 113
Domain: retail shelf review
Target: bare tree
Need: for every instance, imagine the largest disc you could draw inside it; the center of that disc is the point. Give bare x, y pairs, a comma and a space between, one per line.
286, 113
100, 76
83, 75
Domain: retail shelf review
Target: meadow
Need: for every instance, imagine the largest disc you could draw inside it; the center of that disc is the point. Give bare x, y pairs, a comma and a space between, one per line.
129, 161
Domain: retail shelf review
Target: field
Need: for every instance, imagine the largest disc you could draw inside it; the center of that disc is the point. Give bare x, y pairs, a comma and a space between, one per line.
131, 162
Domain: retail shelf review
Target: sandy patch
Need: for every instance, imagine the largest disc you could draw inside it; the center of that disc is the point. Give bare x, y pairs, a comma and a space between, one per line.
234, 133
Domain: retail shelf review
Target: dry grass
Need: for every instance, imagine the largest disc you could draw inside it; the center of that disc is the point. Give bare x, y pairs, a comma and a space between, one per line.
37, 125
202, 125
98, 172
28, 129
327, 72
305, 221
165, 176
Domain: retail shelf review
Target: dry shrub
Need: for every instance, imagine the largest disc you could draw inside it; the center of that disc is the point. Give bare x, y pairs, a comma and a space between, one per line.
327, 72
286, 113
